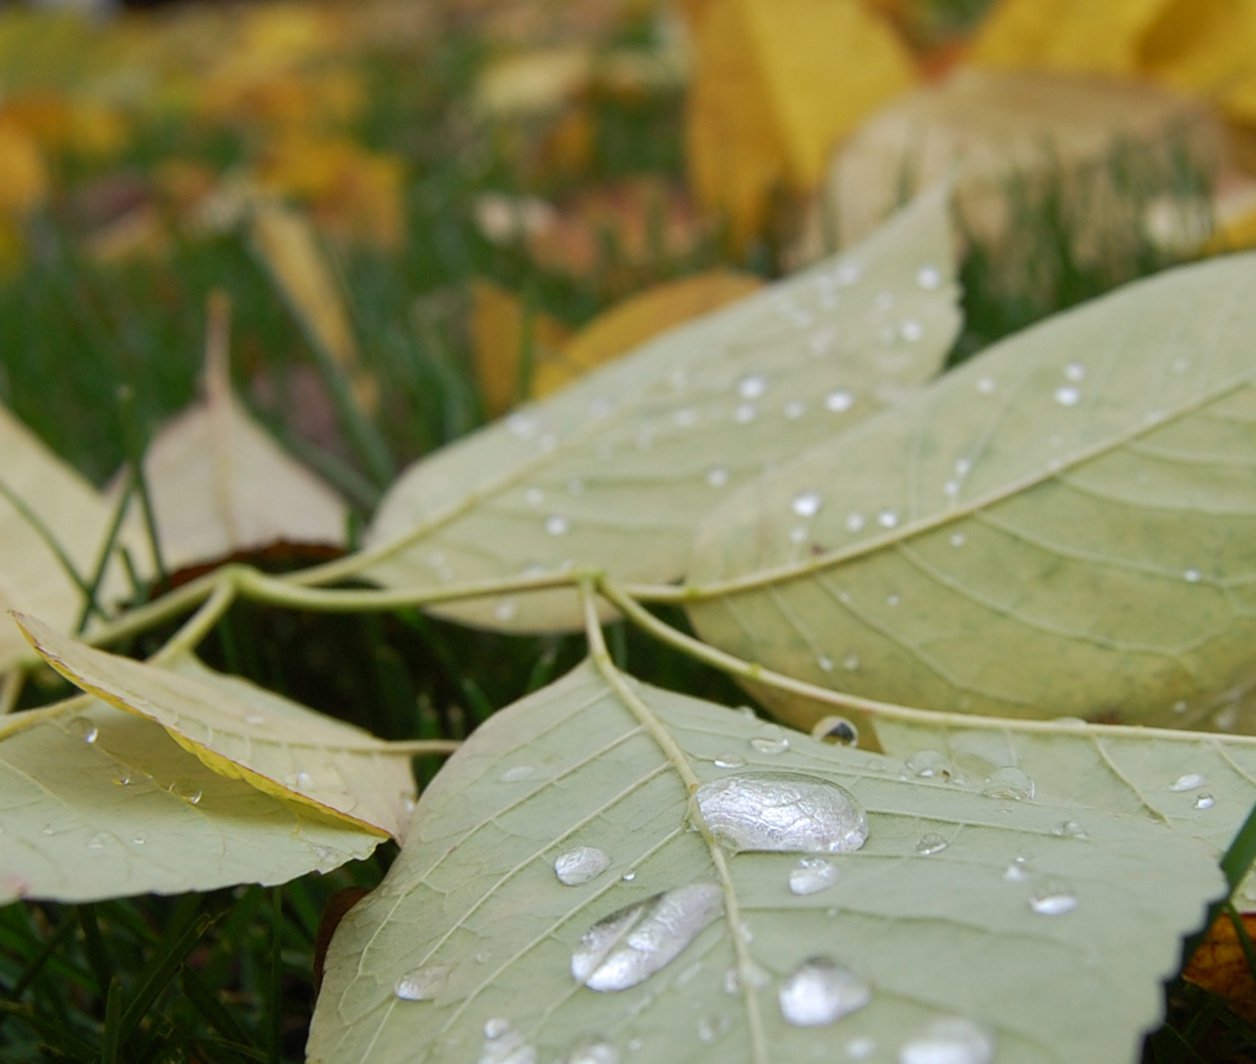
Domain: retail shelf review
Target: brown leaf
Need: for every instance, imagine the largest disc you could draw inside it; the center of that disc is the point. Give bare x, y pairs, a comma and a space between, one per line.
1219, 965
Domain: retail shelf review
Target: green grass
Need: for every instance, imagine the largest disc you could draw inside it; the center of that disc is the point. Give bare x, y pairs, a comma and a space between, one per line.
227, 975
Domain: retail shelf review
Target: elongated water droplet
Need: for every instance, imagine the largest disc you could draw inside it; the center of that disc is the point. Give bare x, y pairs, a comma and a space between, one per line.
887, 519
1205, 801
1067, 395
517, 774
186, 790
782, 811
254, 719
770, 744
952, 1041
929, 765
839, 400
1070, 829
812, 875
807, 503
836, 730
1192, 781
98, 841
1053, 897
820, 991
422, 984
930, 843
580, 865
593, 1051
631, 944
729, 760
1009, 782
85, 729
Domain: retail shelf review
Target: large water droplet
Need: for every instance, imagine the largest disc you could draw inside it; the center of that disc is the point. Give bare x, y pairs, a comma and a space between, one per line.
821, 991
930, 843
85, 729
807, 503
836, 730
1009, 782
782, 811
812, 875
952, 1041
422, 984
769, 744
580, 865
1053, 897
1192, 781
186, 790
631, 944
593, 1051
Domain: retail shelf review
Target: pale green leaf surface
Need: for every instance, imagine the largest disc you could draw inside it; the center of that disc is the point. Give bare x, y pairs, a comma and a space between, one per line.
242, 730
70, 509
474, 891
614, 471
1064, 526
132, 812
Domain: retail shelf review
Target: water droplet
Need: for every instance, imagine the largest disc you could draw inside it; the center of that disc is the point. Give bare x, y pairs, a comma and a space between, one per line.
1054, 897
928, 277
138, 839
517, 773
1009, 782
712, 1028
892, 600
929, 765
1018, 870
839, 401
717, 476
1067, 395
504, 1045
825, 663
299, 780
580, 865
122, 779
820, 991
557, 525
256, 720
850, 662
1205, 801
521, 425
497, 1027
798, 534
887, 519
860, 1048
1181, 706
911, 330
765, 744
812, 875
958, 539
534, 496
1192, 576
422, 984
1070, 829
783, 812
186, 790
593, 1051
951, 489
794, 409
1227, 719
951, 1041
745, 413
97, 841
631, 944
1074, 372
629, 876
1180, 365
848, 273
1192, 781
986, 386
684, 417
505, 609
835, 730
729, 760
930, 843
85, 729
807, 503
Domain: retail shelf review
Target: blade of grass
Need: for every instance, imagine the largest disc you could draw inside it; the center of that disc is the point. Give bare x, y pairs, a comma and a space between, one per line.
156, 975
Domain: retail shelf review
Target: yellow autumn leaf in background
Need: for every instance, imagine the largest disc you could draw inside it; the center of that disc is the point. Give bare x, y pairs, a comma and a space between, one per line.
776, 84
59, 122
501, 330
23, 174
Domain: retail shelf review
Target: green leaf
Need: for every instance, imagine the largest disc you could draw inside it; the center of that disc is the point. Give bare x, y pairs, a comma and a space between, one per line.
614, 471
472, 916
1064, 526
95, 803
241, 730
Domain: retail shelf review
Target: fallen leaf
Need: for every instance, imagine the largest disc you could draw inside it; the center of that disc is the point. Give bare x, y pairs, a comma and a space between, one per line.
777, 84
1220, 965
533, 81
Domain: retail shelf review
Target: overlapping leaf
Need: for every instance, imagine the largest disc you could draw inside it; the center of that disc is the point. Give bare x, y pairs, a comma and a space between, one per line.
241, 730
1065, 526
466, 949
615, 471
96, 803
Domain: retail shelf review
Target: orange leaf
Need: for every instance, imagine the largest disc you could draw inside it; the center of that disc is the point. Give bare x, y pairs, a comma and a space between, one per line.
1220, 966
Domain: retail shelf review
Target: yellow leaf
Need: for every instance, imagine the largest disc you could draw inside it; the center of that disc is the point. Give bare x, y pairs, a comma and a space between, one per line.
501, 331
1207, 47
61, 123
778, 83
1067, 34
23, 176
537, 80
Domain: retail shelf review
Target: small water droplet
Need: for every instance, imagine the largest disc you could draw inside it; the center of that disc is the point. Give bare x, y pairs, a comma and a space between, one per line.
798, 534
1009, 782
765, 744
958, 539
860, 1048
911, 330
122, 779
929, 765
497, 1027
98, 841
85, 729
1192, 576
505, 609
593, 1051
712, 1028
521, 425
1205, 801
807, 503
782, 812
820, 991
504, 1045
1053, 897
517, 773
186, 790
887, 519
1067, 395
1181, 706
557, 525
930, 843
729, 760
794, 409
1192, 781
1070, 829
892, 600
812, 875
825, 663
422, 984
685, 417
580, 865
299, 780
534, 496
744, 413
751, 975
986, 386
1180, 365
629, 876
631, 944
138, 839
839, 400
928, 277
717, 476
1018, 870
835, 730
255, 720
1074, 372
951, 489
950, 1041
850, 662
1227, 719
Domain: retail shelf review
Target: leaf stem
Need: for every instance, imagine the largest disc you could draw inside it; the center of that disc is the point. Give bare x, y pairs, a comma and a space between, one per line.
199, 625
420, 747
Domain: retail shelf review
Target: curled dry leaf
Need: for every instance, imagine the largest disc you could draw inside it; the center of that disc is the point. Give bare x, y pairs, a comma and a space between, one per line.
1220, 965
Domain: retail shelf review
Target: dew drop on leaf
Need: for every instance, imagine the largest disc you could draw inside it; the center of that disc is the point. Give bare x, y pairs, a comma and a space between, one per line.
752, 386
930, 843
821, 991
1018, 870
1009, 782
1192, 576
1074, 372
729, 760
951, 1041
855, 522
625, 948
593, 1051
812, 875
578, 866
807, 503
717, 476
1054, 897
422, 984
517, 774
928, 278
712, 1028
186, 790
557, 525
299, 780
911, 330
85, 729
887, 519
839, 400
765, 744
1070, 829
1067, 395
1192, 781
1205, 801
929, 765
782, 811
